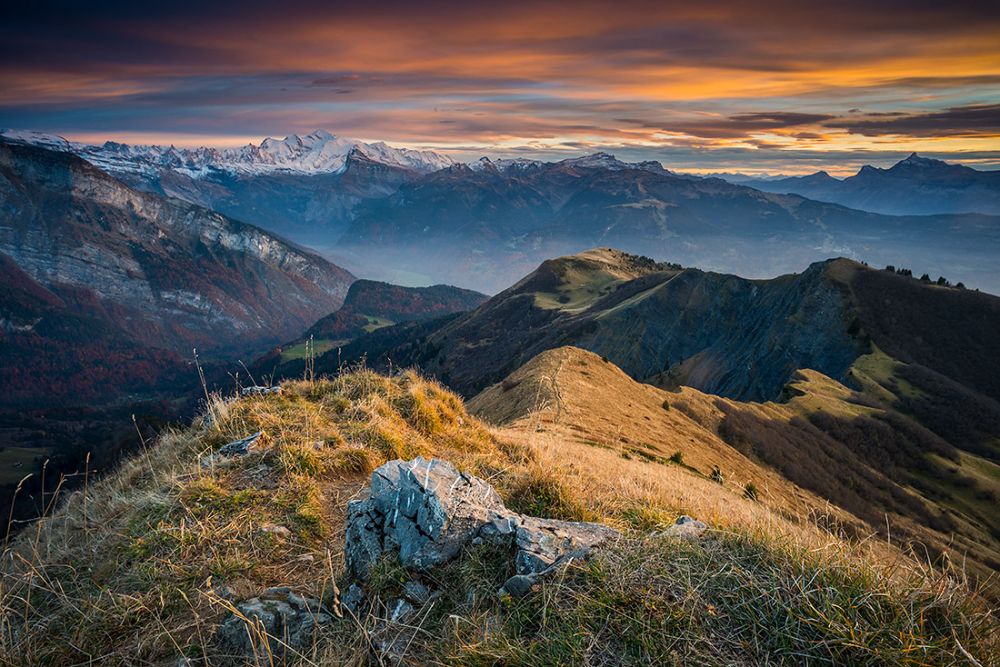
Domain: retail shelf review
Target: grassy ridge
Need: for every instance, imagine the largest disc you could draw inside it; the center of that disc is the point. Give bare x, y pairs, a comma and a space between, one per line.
140, 567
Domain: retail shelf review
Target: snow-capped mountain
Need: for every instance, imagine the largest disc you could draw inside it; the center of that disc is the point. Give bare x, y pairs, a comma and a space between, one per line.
593, 161
505, 164
317, 153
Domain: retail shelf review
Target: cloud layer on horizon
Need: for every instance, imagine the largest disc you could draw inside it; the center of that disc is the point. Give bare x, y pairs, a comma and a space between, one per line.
789, 86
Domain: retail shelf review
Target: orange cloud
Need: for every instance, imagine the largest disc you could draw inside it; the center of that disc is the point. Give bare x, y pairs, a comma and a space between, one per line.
764, 77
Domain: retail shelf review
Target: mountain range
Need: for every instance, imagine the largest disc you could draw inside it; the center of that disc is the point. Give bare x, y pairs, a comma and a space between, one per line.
420, 218
874, 390
317, 153
670, 326
914, 186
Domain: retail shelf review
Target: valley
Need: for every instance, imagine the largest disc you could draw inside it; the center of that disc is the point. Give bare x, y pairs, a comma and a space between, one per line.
420, 218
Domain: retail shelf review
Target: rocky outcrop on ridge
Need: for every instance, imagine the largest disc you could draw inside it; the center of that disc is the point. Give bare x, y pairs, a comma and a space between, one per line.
426, 511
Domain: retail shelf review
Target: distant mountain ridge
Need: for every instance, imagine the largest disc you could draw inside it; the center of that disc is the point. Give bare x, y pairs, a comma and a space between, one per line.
319, 152
913, 186
718, 333
370, 305
485, 224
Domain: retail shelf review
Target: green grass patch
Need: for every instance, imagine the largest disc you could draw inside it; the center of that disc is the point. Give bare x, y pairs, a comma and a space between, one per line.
299, 350
376, 323
16, 462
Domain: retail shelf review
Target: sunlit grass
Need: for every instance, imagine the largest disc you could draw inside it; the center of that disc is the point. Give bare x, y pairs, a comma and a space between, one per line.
140, 567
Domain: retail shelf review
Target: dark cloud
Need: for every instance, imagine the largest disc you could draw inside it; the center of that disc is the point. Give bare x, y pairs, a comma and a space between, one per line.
736, 125
970, 120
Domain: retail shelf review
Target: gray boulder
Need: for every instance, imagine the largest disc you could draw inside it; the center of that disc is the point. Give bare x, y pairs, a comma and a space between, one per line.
426, 511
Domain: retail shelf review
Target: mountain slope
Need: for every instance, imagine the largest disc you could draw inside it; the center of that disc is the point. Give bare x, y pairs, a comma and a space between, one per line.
881, 470
718, 333
914, 186
62, 345
374, 304
369, 306
188, 276
576, 397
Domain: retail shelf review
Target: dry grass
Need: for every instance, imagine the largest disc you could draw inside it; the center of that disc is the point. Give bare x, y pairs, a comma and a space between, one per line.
573, 403
577, 410
139, 568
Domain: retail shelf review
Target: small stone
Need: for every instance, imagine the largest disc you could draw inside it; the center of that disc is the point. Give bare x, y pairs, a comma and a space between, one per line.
518, 586
352, 600
416, 592
240, 447
686, 528
260, 391
277, 530
286, 618
226, 593
399, 610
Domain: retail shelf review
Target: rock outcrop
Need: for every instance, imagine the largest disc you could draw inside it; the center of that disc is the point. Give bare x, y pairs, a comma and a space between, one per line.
426, 511
273, 623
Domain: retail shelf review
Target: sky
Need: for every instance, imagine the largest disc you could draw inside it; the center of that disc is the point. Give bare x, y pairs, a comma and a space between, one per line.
755, 87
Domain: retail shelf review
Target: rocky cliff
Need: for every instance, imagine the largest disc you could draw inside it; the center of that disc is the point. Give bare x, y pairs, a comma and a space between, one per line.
188, 275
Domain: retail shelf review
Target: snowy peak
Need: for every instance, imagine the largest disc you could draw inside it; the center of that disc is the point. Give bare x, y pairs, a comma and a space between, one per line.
319, 152
596, 161
608, 161
50, 141
322, 152
505, 165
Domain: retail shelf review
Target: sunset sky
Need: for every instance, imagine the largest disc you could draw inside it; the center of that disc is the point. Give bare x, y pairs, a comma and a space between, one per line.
701, 86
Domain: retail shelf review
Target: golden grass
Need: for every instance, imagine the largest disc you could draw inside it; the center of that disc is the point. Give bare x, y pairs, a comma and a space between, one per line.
569, 400
140, 567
